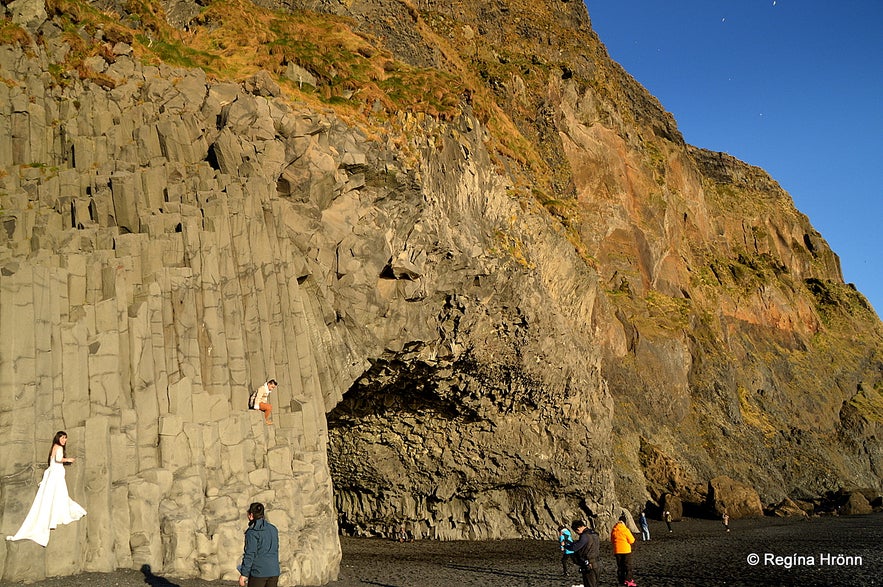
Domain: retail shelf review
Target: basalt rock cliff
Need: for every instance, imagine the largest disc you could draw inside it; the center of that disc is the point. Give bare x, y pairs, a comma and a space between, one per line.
497, 288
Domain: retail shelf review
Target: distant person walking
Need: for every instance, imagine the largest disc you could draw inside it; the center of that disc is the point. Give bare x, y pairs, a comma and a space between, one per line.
666, 515
565, 543
726, 520
586, 552
260, 558
260, 399
645, 526
52, 506
622, 539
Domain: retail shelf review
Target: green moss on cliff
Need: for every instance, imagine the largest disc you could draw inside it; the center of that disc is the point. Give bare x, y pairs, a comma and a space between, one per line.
362, 81
13, 34
839, 304
757, 416
668, 312
233, 39
869, 404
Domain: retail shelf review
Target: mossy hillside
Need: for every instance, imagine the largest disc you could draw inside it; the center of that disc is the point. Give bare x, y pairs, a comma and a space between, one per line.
233, 39
869, 404
355, 76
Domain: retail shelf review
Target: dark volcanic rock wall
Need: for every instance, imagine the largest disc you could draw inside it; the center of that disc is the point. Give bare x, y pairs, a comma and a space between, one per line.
485, 408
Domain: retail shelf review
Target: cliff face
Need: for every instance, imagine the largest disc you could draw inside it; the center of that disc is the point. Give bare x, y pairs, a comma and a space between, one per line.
144, 292
496, 287
726, 332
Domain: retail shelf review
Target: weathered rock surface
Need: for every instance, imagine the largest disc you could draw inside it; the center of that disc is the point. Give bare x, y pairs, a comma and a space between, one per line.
728, 338
143, 293
170, 242
789, 508
733, 498
672, 504
476, 335
856, 503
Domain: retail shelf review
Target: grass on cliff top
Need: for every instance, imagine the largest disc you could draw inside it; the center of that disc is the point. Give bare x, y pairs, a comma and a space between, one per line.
361, 81
349, 68
355, 76
12, 34
233, 39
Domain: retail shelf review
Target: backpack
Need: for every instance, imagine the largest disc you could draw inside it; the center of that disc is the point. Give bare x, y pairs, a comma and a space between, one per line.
251, 399
565, 538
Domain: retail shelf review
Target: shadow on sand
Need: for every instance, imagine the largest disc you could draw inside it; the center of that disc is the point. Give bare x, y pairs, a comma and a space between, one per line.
155, 580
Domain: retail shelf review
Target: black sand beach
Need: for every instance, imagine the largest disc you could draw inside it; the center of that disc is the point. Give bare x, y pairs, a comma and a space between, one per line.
827, 551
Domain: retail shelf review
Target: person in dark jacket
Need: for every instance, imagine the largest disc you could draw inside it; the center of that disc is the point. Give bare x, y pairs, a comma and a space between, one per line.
586, 552
260, 559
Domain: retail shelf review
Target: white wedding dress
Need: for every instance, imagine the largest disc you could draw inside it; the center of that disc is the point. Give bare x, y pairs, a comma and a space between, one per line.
51, 508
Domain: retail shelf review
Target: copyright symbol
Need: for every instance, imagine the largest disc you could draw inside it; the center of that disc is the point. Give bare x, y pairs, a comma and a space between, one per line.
753, 559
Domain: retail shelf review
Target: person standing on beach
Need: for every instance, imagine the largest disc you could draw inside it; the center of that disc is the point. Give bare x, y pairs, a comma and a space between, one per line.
586, 552
726, 520
666, 515
52, 506
645, 526
622, 539
260, 399
405, 535
565, 542
260, 558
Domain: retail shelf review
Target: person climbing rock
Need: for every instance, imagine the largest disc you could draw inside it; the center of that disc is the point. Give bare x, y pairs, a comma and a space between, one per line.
260, 399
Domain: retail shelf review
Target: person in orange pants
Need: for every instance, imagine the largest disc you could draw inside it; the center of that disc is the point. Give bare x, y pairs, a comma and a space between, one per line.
261, 399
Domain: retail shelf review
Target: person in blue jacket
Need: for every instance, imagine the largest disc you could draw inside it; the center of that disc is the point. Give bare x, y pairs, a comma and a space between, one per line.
260, 559
565, 540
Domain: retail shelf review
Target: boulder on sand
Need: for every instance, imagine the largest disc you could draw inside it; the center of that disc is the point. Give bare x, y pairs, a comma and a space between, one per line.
735, 498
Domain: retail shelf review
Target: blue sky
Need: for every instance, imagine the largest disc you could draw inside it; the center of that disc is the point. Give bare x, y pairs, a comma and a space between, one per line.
792, 86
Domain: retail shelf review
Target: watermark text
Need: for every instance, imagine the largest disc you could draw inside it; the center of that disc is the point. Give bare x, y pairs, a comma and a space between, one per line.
788, 561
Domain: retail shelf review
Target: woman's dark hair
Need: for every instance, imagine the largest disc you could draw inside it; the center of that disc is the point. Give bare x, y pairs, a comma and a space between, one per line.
256, 510
55, 441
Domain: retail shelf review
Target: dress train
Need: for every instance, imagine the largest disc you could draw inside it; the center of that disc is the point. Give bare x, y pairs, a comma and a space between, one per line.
52, 507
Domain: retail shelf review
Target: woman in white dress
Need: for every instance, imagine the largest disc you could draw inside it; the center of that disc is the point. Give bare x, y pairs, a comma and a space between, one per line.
52, 506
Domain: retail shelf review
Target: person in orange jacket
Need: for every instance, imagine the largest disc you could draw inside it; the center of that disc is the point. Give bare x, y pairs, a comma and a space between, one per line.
622, 539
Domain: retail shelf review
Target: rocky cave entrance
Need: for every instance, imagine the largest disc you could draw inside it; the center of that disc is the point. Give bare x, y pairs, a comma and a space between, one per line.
383, 452
454, 450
